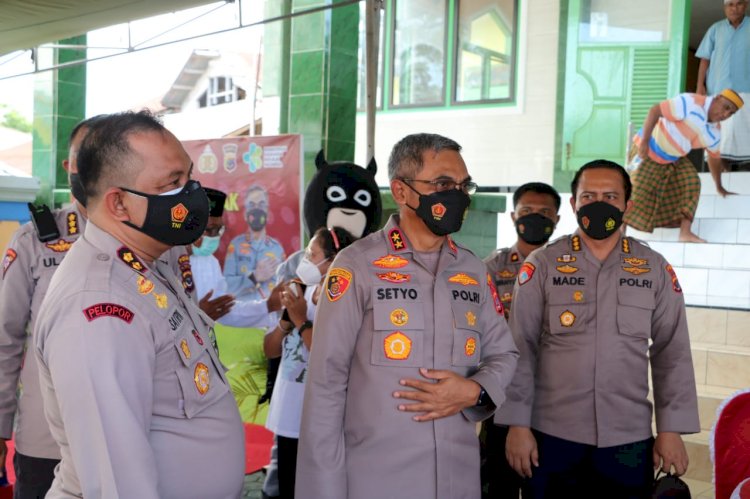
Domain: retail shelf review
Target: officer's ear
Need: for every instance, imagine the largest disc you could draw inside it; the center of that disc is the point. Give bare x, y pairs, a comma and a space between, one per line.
398, 189
513, 217
117, 204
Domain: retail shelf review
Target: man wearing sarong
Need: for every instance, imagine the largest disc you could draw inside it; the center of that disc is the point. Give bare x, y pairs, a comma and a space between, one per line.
666, 186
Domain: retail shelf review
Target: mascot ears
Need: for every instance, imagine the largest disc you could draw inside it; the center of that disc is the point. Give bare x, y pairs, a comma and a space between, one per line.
320, 162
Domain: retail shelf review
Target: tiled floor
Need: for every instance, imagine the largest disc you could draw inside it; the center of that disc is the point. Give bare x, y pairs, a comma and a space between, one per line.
700, 490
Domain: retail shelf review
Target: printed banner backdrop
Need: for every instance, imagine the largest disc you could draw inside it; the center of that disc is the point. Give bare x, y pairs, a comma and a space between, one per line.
234, 164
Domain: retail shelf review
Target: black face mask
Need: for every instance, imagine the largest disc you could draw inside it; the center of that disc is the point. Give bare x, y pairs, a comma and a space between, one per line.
599, 220
534, 228
175, 219
256, 219
442, 212
76, 188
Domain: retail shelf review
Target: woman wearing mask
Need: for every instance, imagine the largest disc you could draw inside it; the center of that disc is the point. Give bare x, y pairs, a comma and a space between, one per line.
292, 339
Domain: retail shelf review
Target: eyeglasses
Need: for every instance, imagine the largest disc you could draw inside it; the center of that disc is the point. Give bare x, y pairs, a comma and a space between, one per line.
441, 185
214, 231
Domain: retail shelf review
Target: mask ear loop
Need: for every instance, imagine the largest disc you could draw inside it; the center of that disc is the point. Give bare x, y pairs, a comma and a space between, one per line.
335, 239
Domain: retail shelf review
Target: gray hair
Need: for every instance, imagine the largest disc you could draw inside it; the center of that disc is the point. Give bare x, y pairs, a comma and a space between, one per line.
407, 159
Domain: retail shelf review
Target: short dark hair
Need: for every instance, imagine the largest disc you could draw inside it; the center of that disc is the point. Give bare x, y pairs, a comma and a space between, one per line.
105, 151
539, 188
332, 246
609, 165
406, 159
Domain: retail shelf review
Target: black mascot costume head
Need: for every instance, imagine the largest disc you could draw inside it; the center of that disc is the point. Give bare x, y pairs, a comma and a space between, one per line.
342, 194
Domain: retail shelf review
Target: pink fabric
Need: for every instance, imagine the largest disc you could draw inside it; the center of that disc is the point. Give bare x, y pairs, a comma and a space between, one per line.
258, 443
732, 445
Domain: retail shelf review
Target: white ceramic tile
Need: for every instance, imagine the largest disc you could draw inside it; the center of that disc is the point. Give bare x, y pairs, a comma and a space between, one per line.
727, 302
703, 255
728, 283
670, 235
719, 230
736, 256
732, 207
738, 182
707, 184
644, 236
705, 207
673, 252
693, 281
743, 232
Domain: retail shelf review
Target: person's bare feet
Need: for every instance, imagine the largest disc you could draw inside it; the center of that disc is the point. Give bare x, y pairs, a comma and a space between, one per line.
689, 237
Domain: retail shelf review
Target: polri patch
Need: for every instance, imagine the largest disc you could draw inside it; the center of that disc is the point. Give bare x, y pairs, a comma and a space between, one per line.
526, 273
675, 283
338, 283
108, 310
10, 257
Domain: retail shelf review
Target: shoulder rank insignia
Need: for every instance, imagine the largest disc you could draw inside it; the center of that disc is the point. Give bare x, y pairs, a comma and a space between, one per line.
567, 269
514, 257
201, 378
72, 224
526, 273
397, 241
127, 256
567, 318
463, 279
575, 243
394, 277
635, 262
452, 244
337, 283
108, 310
675, 283
61, 246
397, 346
636, 270
10, 257
625, 245
505, 274
499, 308
391, 262
566, 258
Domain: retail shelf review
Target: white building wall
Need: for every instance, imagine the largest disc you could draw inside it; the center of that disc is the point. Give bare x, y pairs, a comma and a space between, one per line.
501, 145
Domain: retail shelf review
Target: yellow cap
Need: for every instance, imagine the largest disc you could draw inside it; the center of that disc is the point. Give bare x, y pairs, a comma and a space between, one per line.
733, 97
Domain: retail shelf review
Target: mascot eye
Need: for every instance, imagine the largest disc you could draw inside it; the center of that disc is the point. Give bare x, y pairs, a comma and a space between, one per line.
363, 197
335, 194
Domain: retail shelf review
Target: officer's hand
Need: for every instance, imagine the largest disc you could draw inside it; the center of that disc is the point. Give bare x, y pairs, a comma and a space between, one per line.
294, 304
520, 450
217, 307
669, 450
266, 268
448, 394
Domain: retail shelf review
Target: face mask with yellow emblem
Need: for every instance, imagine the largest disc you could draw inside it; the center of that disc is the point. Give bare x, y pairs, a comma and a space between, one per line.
599, 220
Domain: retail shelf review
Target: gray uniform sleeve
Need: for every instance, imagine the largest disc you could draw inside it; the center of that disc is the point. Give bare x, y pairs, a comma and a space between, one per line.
321, 461
499, 354
526, 323
102, 374
16, 290
675, 399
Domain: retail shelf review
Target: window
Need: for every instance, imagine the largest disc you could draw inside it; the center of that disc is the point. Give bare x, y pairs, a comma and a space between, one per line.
443, 53
362, 63
221, 89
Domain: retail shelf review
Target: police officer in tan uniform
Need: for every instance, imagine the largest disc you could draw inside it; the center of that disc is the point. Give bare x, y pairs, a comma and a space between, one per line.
134, 392
411, 348
535, 214
591, 310
28, 266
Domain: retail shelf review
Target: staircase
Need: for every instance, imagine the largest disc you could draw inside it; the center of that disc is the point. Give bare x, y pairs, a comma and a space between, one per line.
715, 279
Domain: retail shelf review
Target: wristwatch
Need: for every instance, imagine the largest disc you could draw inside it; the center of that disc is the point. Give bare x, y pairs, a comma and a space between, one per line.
484, 398
303, 326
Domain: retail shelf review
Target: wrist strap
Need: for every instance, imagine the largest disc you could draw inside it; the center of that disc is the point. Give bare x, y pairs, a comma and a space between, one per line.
304, 325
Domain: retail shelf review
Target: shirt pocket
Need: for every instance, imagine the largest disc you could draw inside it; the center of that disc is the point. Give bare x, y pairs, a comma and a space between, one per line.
467, 345
635, 309
199, 376
566, 315
398, 334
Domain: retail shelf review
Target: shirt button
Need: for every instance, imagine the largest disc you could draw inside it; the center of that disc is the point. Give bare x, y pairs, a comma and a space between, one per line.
102, 257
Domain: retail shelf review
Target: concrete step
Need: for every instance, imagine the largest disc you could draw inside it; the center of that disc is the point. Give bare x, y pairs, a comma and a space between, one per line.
700, 467
700, 489
719, 326
709, 399
738, 182
721, 365
716, 230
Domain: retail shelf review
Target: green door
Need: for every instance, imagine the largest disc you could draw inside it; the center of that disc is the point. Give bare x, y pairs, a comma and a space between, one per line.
618, 59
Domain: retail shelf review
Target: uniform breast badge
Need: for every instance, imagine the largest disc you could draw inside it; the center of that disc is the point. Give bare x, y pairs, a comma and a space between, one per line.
578, 295
397, 346
60, 246
394, 277
463, 279
470, 347
185, 348
145, 286
201, 378
399, 317
391, 262
567, 269
471, 319
567, 318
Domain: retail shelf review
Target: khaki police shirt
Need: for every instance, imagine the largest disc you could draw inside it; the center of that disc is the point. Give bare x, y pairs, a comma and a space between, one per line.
134, 391
28, 266
586, 331
381, 316
503, 265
